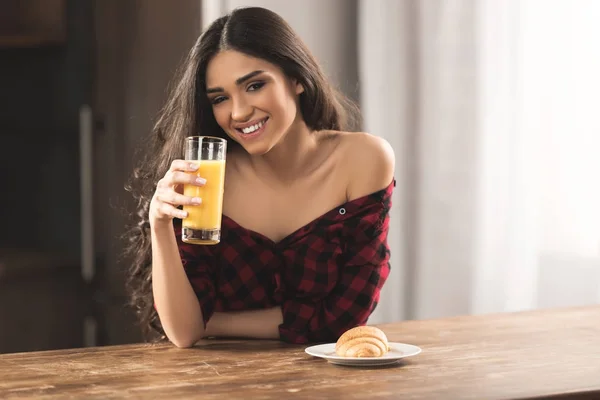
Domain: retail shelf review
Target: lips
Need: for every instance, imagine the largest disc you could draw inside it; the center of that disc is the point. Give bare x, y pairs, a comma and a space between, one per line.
249, 128
259, 127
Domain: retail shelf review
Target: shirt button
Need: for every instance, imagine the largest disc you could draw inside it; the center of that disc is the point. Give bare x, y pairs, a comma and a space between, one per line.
342, 211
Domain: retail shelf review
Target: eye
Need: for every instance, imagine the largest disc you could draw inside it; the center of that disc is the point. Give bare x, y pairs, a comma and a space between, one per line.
217, 100
255, 86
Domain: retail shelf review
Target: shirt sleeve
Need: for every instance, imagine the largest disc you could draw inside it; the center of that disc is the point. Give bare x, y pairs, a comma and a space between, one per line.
199, 263
357, 291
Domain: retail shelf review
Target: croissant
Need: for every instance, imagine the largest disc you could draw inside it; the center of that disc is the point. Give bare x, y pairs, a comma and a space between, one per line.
362, 341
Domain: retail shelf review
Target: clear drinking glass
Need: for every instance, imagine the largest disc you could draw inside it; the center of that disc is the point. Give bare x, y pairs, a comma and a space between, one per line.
203, 222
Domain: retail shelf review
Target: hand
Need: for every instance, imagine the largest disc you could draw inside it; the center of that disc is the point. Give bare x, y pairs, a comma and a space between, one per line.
169, 192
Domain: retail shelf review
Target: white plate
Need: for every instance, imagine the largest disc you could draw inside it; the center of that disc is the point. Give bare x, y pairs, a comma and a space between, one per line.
396, 353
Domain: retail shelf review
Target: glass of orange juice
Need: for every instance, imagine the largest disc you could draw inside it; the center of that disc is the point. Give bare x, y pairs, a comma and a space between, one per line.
203, 222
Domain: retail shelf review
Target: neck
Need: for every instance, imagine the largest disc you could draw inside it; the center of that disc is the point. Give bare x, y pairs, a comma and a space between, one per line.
287, 161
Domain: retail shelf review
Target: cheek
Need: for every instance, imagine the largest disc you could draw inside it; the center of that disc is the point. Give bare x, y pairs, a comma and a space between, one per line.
221, 116
291, 110
283, 105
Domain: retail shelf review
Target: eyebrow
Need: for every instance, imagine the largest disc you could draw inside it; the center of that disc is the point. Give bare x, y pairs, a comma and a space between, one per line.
238, 81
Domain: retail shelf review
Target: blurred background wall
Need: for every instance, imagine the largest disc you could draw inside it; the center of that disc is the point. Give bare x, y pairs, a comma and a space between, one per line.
490, 107
117, 58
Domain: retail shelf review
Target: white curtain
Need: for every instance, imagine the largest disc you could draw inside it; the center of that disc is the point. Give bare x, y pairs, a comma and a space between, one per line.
560, 60
501, 171
491, 109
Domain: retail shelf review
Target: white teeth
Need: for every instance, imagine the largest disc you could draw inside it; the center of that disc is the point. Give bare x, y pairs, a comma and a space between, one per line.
253, 128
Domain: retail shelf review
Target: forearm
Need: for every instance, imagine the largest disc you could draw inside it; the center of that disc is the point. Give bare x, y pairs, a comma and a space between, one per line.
349, 304
257, 324
176, 302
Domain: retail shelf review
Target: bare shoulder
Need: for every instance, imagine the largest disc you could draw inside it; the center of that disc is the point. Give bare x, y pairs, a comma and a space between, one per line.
370, 163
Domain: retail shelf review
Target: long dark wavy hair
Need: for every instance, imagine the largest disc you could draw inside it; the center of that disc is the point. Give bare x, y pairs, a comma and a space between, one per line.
256, 32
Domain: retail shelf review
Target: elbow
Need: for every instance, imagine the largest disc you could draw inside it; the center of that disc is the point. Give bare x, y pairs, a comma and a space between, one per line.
185, 341
183, 344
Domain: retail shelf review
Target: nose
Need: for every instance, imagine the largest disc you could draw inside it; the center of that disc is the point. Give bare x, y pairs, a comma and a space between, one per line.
241, 111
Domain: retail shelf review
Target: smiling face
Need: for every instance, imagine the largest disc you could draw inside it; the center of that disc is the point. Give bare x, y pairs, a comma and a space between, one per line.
253, 101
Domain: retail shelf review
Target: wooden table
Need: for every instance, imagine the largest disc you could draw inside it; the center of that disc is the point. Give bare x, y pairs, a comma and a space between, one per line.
502, 356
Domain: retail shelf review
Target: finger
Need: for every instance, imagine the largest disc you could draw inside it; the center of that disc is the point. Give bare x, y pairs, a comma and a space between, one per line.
178, 178
171, 197
164, 182
169, 210
182, 165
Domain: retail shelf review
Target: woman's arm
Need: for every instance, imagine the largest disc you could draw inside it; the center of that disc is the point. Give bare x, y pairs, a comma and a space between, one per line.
257, 324
174, 298
353, 299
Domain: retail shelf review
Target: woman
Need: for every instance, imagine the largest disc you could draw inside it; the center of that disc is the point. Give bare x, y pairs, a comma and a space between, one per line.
303, 252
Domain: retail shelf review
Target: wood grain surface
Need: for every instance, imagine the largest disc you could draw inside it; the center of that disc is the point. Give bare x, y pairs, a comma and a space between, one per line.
539, 354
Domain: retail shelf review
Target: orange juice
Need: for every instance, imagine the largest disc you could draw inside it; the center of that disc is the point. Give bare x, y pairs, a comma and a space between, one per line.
206, 217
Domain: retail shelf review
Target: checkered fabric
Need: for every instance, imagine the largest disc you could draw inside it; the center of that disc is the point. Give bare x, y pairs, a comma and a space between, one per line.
326, 276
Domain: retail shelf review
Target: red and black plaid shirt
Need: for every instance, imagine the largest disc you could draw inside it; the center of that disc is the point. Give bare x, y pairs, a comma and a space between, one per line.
326, 276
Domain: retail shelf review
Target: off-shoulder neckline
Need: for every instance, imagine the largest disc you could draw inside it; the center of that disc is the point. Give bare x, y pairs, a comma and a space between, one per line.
350, 207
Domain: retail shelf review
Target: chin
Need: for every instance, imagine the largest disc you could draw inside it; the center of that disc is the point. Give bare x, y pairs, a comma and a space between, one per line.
256, 149
257, 146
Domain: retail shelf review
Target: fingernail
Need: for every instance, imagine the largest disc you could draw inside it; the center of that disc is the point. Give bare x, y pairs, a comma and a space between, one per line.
183, 214
196, 200
193, 166
201, 181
